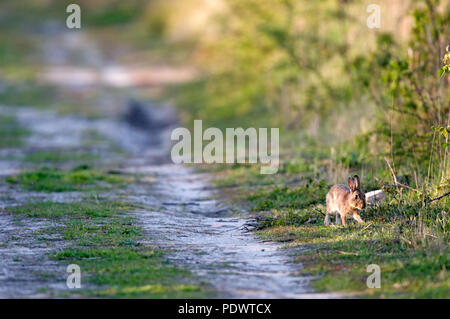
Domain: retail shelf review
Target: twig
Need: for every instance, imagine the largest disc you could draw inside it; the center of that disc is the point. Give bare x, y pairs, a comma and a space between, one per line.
368, 225
437, 198
406, 240
392, 171
347, 253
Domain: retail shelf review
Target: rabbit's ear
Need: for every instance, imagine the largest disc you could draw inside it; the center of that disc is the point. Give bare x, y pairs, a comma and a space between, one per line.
356, 181
351, 184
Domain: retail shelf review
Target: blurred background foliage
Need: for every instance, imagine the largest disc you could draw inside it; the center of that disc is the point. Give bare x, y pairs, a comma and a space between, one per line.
351, 94
314, 69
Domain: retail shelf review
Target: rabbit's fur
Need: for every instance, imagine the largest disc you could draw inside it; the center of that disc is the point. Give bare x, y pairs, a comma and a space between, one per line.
345, 200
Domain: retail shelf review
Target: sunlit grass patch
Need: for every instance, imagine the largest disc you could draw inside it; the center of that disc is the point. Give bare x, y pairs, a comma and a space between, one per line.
404, 273
407, 242
397, 234
293, 197
242, 175
152, 290
82, 178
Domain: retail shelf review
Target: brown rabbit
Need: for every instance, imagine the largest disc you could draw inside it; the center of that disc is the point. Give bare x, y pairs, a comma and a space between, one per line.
345, 200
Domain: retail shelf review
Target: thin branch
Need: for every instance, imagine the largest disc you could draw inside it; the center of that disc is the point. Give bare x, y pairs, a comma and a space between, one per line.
392, 171
437, 198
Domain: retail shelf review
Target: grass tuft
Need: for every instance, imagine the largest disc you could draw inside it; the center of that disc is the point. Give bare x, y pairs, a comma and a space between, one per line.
81, 178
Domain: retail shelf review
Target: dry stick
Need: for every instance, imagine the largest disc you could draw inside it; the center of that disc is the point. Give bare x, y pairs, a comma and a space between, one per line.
392, 153
437, 198
397, 183
406, 240
413, 189
368, 225
390, 168
392, 171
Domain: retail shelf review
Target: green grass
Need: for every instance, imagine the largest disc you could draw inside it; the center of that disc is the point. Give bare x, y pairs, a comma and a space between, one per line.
12, 51
82, 178
18, 63
137, 272
350, 130
106, 243
27, 93
294, 197
410, 244
93, 138
60, 156
116, 14
238, 175
12, 134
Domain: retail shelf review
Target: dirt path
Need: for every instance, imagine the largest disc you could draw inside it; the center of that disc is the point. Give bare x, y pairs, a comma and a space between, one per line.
185, 218
217, 249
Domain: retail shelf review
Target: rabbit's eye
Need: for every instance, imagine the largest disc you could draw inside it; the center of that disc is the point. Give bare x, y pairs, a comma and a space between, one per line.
356, 196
